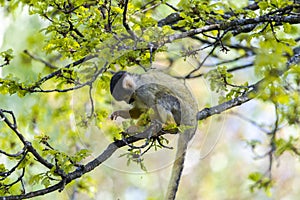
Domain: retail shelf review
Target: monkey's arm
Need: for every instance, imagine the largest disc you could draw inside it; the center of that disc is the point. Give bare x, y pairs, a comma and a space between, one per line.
120, 113
133, 113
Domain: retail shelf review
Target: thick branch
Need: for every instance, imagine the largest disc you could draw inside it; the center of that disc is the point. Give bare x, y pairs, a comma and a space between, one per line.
173, 18
89, 166
207, 112
231, 25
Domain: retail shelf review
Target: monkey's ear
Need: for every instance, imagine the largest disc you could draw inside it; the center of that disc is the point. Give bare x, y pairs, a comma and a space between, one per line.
128, 82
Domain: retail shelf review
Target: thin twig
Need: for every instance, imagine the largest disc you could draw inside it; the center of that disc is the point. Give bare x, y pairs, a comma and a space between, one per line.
40, 60
131, 33
59, 71
202, 62
4, 175
28, 145
13, 155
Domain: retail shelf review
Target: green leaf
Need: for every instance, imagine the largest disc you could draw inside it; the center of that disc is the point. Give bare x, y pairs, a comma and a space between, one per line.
7, 55
46, 182
255, 176
283, 145
263, 5
35, 179
80, 155
287, 27
2, 168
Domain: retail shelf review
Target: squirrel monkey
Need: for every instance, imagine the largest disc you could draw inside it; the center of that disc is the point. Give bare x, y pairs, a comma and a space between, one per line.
170, 100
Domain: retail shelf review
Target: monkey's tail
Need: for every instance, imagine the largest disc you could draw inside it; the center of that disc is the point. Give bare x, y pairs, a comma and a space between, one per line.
182, 145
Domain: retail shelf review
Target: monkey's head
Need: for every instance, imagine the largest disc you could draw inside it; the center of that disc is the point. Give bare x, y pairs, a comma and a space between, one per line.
122, 86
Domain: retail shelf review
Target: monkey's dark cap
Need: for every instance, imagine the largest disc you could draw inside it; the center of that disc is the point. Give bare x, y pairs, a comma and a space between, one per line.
115, 79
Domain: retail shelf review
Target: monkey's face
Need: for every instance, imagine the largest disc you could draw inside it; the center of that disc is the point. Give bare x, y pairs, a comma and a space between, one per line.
121, 94
122, 86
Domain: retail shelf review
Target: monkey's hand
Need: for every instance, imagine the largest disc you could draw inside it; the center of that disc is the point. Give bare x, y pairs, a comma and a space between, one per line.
120, 113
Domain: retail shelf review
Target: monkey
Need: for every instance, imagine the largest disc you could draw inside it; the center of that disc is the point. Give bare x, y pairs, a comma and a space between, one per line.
170, 101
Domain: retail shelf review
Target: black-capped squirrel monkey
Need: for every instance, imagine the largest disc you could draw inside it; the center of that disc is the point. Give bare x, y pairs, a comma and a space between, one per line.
170, 100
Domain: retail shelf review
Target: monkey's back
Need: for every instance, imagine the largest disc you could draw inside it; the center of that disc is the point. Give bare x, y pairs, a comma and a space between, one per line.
188, 103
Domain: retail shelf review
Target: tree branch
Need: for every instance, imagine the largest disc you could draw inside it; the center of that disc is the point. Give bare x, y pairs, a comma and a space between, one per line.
231, 25
48, 64
87, 83
206, 112
26, 143
111, 148
125, 21
59, 71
